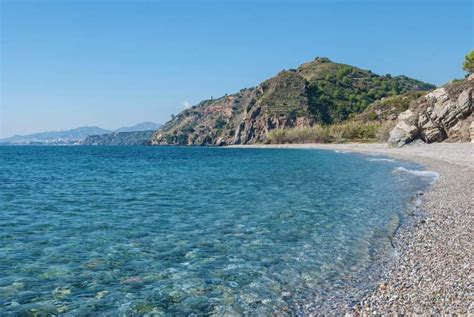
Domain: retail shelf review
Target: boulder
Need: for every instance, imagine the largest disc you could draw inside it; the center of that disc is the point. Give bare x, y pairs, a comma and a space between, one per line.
406, 130
444, 114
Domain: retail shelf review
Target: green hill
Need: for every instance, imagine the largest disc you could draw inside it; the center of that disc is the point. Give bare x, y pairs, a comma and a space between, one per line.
320, 91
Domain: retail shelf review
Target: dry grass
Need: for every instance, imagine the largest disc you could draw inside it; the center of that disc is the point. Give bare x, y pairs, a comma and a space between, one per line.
354, 131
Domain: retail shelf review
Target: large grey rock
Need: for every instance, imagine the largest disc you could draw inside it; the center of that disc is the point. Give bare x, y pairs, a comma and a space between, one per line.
443, 114
406, 130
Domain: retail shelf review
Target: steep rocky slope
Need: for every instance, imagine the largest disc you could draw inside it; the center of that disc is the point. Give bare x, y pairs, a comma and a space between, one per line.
445, 114
320, 91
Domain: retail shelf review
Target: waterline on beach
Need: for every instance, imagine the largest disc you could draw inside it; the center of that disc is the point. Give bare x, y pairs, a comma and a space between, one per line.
434, 176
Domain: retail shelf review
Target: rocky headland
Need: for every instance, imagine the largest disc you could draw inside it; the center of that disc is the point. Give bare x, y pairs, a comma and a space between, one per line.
120, 138
318, 92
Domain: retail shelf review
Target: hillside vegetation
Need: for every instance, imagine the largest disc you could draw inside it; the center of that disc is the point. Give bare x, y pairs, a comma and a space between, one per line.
120, 138
319, 93
354, 131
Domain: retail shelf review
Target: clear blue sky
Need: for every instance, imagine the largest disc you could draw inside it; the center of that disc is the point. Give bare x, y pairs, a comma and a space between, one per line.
66, 64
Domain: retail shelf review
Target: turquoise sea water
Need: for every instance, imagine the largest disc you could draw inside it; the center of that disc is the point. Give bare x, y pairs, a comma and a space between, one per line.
209, 231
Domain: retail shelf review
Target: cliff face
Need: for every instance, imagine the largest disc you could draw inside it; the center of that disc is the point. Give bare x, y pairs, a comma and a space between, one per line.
444, 114
317, 92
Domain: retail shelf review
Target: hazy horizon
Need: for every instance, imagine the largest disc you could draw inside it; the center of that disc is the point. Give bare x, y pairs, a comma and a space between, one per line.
83, 126
117, 63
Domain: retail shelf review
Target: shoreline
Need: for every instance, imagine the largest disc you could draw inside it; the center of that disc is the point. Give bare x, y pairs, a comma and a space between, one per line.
432, 273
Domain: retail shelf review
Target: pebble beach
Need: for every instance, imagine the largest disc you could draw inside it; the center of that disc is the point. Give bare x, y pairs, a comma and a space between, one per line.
432, 273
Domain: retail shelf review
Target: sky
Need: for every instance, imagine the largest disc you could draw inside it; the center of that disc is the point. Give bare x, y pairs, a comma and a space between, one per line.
68, 63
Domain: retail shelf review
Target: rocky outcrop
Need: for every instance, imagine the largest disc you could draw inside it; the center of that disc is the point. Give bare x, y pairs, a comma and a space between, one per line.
316, 92
120, 138
444, 114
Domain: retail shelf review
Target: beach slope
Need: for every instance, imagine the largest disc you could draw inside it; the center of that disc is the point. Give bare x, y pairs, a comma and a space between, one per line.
433, 272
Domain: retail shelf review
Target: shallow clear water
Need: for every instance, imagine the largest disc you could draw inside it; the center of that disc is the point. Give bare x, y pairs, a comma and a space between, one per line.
194, 230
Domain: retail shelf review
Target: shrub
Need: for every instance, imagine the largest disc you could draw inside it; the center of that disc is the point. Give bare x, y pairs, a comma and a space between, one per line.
384, 130
343, 71
299, 135
277, 136
219, 123
372, 116
336, 133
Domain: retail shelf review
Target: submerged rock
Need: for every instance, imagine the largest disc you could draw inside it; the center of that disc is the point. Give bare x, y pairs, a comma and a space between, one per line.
133, 279
101, 294
61, 292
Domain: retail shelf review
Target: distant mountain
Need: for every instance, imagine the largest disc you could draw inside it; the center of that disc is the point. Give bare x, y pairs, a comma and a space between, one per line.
120, 138
72, 136
139, 134
77, 135
144, 126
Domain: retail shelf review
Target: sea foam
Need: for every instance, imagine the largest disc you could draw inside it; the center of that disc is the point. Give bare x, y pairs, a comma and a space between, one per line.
373, 159
430, 174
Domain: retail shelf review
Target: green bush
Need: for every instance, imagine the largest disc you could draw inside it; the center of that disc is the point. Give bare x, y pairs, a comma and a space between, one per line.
277, 136
219, 123
383, 131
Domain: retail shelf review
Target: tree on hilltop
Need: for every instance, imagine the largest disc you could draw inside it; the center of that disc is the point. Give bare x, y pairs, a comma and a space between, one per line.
468, 65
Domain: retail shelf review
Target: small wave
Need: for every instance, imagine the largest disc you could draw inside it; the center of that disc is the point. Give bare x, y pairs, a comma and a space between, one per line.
430, 174
372, 159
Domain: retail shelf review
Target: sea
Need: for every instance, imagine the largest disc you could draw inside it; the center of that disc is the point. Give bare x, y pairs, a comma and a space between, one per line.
196, 231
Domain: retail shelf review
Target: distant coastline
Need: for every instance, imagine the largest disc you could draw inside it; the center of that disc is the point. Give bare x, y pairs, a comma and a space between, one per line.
138, 134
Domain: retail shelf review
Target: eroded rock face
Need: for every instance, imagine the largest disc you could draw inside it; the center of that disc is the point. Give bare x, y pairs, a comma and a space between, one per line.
238, 119
444, 114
